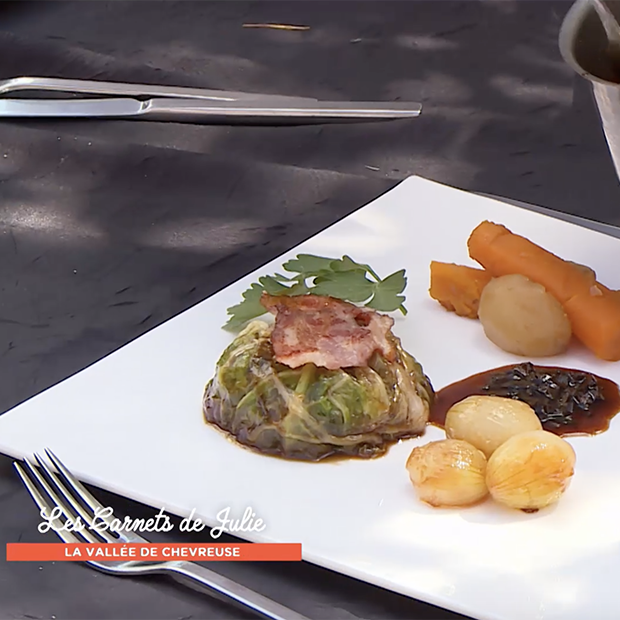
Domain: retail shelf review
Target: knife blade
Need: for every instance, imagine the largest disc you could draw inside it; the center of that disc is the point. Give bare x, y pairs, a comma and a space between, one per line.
200, 111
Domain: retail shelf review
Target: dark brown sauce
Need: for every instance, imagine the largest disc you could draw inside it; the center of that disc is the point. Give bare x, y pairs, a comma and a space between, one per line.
596, 421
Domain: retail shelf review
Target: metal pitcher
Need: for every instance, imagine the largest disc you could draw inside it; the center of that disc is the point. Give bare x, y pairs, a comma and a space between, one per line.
583, 45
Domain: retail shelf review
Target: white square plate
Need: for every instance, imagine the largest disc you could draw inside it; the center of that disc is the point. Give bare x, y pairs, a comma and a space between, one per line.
132, 424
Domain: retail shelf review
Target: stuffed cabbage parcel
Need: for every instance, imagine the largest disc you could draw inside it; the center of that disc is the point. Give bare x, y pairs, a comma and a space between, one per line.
310, 413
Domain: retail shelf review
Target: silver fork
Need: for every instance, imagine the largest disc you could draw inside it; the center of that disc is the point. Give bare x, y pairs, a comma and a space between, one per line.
61, 489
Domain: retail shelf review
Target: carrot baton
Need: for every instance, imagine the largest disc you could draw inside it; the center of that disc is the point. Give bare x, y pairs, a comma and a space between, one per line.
593, 309
503, 253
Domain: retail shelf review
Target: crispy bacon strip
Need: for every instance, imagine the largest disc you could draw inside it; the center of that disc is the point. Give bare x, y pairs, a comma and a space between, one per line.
327, 332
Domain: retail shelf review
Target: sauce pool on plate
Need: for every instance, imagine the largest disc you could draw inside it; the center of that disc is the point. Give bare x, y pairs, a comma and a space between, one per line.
567, 401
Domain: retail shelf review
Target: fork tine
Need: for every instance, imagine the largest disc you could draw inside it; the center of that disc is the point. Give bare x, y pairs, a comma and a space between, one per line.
39, 500
113, 527
61, 491
77, 487
56, 500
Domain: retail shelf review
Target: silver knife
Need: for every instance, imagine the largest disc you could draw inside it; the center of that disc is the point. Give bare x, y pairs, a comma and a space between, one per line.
123, 89
261, 111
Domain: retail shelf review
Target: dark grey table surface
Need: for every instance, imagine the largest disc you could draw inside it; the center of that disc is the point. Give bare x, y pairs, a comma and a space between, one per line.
108, 229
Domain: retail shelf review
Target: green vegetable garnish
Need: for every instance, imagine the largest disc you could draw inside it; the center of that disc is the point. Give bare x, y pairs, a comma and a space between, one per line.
340, 278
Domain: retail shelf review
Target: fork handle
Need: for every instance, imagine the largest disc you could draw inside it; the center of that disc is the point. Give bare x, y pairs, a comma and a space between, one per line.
201, 578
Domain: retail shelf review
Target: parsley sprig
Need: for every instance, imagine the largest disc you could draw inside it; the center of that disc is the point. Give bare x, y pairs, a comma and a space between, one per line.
341, 278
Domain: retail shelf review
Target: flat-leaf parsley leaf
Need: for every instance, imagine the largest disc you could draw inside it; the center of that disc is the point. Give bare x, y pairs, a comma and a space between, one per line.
341, 278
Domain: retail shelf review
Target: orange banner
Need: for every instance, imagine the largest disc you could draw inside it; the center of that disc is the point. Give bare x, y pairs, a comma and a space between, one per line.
110, 552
